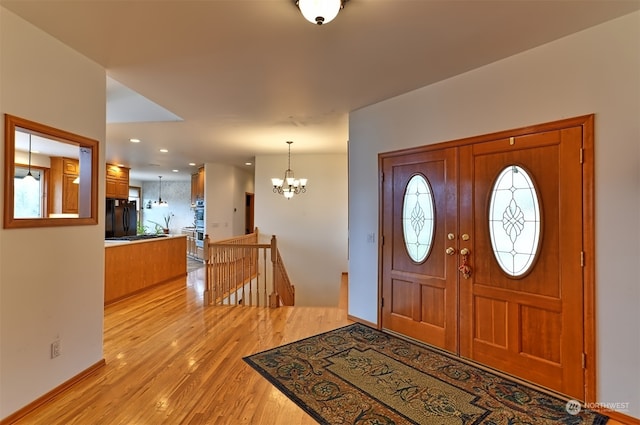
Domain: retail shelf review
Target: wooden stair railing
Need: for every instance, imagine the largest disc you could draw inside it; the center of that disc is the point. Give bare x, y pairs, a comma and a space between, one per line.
239, 271
282, 284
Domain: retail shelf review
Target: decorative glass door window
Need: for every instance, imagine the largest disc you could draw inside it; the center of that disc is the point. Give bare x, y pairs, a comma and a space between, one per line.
514, 221
418, 218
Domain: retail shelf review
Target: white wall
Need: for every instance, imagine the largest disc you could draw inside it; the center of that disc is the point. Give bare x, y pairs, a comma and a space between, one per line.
225, 187
594, 71
178, 196
311, 228
243, 185
51, 279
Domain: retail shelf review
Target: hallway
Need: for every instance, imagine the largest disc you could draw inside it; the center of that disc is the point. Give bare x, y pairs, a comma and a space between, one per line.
170, 360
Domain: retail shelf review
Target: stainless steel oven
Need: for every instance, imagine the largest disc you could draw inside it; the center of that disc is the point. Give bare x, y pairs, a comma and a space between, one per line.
200, 237
198, 211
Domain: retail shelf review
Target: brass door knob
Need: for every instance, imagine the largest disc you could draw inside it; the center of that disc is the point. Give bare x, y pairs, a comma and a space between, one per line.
450, 251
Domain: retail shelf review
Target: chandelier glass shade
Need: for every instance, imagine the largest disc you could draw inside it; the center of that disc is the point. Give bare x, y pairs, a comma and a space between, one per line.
289, 185
320, 11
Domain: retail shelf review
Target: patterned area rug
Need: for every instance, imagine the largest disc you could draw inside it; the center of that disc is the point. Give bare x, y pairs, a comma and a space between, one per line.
358, 375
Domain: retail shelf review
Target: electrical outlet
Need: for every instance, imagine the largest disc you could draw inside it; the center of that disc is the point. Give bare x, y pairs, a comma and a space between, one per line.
55, 349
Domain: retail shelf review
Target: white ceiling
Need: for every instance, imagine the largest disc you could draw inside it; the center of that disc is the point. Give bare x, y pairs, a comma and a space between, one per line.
233, 79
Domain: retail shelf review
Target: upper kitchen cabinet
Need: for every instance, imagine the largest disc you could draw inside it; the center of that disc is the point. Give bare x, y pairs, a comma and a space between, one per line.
117, 182
64, 182
197, 186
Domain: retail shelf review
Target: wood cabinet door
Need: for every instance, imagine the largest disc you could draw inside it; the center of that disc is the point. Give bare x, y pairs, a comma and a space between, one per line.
69, 194
111, 188
122, 189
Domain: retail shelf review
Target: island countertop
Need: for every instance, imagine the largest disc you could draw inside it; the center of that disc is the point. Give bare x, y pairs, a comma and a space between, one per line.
108, 243
133, 266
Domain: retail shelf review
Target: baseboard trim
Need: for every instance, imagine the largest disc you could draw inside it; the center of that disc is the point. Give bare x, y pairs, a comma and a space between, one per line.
51, 394
362, 321
619, 417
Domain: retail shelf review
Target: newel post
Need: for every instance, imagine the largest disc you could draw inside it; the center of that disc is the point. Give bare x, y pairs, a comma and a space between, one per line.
274, 300
207, 274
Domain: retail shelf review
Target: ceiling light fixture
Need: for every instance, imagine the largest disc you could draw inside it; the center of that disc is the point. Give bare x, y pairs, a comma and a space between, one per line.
29, 177
320, 11
160, 202
289, 186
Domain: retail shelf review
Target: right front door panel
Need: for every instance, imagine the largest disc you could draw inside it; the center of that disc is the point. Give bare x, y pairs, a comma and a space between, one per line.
531, 325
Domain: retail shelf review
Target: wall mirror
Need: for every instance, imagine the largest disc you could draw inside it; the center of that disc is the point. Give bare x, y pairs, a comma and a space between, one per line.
50, 178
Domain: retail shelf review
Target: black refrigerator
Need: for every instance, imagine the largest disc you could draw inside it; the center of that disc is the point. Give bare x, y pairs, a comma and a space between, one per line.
121, 218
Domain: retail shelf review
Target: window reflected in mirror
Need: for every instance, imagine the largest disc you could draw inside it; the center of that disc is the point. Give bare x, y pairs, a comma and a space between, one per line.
51, 176
28, 193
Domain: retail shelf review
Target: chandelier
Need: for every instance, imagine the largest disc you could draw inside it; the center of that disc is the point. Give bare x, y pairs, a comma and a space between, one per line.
320, 11
160, 202
289, 186
29, 177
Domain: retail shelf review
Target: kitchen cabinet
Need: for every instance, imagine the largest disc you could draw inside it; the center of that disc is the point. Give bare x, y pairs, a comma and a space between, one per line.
117, 182
63, 189
132, 267
197, 186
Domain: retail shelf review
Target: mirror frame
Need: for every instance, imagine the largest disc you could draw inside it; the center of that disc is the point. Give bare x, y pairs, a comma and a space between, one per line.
9, 221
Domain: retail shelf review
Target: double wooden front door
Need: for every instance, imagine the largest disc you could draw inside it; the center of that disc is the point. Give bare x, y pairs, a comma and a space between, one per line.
518, 309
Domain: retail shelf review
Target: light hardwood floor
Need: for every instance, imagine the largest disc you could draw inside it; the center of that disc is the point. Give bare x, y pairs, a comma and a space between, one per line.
170, 360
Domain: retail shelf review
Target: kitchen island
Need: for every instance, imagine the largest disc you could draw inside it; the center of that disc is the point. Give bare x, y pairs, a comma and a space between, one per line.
131, 266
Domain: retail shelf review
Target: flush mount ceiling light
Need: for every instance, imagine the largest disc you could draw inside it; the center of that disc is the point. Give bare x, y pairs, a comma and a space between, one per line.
289, 186
320, 11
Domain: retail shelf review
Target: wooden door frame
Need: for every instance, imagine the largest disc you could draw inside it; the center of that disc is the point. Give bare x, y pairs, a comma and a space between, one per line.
586, 122
249, 214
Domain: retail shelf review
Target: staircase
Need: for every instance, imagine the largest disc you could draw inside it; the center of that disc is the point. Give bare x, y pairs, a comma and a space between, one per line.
242, 271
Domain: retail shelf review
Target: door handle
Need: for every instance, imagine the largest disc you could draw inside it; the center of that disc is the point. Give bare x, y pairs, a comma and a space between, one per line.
465, 268
450, 251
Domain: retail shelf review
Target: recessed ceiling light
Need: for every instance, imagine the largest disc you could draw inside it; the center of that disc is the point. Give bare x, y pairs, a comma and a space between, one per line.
134, 140
164, 150
175, 171
193, 164
248, 163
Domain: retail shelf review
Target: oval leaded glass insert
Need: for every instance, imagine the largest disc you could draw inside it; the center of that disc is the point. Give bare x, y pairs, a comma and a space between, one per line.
514, 221
418, 218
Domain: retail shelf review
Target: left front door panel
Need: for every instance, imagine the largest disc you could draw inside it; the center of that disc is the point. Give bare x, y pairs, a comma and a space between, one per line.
419, 294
